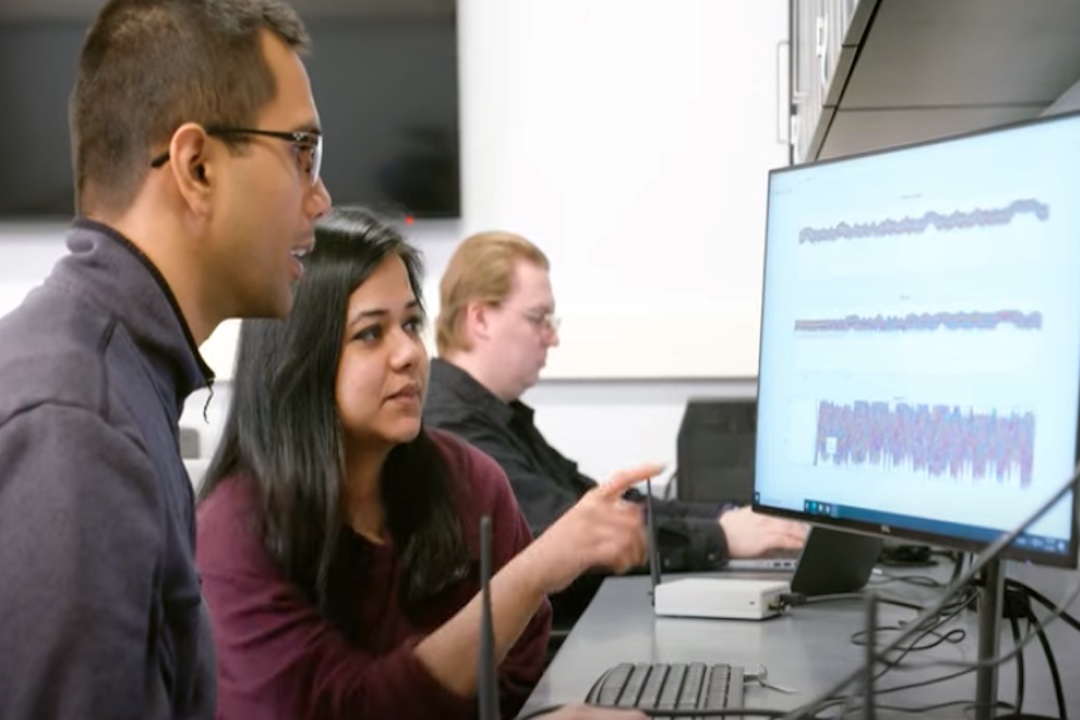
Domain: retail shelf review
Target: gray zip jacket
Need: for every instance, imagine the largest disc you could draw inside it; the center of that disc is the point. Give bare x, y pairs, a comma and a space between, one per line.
100, 610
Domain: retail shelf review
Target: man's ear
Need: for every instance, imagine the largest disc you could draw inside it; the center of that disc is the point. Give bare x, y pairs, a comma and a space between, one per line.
478, 320
192, 166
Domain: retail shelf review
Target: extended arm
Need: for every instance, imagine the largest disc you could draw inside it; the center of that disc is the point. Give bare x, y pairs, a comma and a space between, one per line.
280, 654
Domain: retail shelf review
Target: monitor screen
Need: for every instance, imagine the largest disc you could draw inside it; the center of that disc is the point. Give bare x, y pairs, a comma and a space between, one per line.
385, 81
919, 371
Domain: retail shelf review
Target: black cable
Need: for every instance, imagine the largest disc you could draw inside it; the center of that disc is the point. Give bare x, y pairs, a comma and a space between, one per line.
930, 628
726, 712
891, 562
1044, 601
958, 566
871, 646
947, 615
796, 599
1051, 662
1001, 704
671, 487
921, 710
968, 706
953, 637
920, 580
931, 625
987, 556
1030, 637
924, 683
968, 667
650, 712
1014, 623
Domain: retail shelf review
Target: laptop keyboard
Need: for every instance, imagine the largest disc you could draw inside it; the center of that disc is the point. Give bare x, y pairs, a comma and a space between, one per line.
670, 686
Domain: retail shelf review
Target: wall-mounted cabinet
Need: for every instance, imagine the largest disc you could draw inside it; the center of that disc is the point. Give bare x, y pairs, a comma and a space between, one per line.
874, 73
824, 40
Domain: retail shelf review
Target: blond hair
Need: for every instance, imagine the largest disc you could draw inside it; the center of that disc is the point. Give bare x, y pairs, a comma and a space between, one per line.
481, 270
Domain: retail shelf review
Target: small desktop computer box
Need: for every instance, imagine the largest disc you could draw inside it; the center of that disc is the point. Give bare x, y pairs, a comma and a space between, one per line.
708, 597
720, 598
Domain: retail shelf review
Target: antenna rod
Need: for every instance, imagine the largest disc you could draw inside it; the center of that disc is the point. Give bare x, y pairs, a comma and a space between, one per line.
871, 650
654, 553
486, 685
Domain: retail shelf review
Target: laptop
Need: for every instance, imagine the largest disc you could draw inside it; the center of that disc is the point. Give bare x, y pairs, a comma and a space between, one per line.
832, 561
780, 561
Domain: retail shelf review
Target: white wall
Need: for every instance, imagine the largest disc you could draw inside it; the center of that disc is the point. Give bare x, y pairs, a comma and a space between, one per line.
603, 425
630, 139
27, 253
653, 216
592, 421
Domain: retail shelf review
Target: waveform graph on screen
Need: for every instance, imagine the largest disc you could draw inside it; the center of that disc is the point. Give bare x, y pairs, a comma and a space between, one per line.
946, 442
942, 221
922, 322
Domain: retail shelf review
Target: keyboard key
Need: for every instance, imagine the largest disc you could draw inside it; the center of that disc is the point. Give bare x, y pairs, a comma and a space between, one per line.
669, 694
632, 687
663, 686
612, 684
691, 689
650, 694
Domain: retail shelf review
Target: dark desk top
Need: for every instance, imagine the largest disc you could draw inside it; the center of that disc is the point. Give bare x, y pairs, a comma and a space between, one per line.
808, 650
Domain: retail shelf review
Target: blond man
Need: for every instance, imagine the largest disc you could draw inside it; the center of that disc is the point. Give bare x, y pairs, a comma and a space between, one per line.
495, 328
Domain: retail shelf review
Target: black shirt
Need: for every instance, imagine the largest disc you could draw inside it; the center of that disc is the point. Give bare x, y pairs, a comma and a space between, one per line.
547, 484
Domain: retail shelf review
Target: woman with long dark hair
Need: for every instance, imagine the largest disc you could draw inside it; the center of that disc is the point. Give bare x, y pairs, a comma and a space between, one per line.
338, 539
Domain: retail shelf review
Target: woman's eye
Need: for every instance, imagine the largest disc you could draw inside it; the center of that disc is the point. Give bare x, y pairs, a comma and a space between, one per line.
369, 334
415, 325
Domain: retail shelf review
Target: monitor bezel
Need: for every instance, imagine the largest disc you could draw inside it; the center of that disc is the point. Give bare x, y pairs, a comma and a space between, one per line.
1070, 560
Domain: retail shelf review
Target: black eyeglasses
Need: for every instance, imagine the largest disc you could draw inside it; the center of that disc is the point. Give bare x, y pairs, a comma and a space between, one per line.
308, 147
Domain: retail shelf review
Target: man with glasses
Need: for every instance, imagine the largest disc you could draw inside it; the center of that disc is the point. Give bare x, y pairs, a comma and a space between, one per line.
196, 154
496, 324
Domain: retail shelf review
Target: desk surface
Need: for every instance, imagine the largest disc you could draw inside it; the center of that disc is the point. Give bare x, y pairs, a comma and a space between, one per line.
808, 650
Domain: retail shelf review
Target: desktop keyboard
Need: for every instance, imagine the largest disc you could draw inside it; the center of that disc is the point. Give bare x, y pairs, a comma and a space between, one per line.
670, 686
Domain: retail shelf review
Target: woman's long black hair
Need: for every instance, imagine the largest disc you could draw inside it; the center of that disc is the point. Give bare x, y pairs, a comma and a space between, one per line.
283, 427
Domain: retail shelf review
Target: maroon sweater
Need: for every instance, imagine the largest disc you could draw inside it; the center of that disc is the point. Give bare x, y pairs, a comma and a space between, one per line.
278, 657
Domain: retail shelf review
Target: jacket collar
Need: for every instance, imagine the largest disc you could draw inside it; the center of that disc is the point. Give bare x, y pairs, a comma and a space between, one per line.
117, 276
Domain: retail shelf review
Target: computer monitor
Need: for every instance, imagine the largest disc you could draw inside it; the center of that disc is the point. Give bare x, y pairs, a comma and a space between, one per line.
919, 371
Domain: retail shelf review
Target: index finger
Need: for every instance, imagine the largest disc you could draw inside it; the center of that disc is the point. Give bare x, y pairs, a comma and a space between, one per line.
623, 480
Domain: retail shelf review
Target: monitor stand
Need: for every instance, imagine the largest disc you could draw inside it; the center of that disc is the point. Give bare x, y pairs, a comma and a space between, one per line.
991, 601
835, 561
